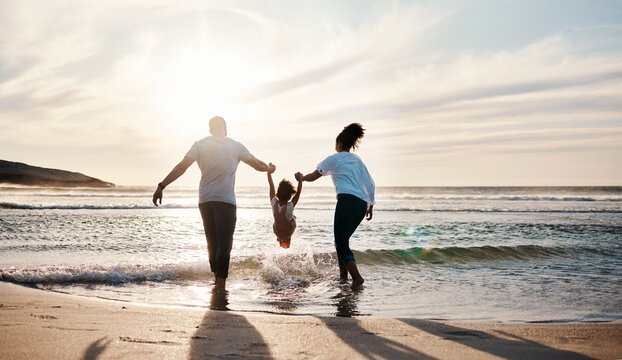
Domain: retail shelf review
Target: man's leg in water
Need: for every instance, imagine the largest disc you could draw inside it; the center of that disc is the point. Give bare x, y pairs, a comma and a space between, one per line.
224, 219
207, 214
219, 224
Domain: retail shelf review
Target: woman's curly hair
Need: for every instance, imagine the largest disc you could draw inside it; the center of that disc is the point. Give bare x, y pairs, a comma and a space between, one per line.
350, 136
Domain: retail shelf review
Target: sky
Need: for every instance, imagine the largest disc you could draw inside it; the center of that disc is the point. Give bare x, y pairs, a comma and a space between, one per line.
451, 93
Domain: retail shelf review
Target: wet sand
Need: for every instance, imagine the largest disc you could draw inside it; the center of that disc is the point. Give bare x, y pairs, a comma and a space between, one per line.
42, 324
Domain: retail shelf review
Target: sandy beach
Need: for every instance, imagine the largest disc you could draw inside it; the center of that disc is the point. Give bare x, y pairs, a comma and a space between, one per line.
38, 324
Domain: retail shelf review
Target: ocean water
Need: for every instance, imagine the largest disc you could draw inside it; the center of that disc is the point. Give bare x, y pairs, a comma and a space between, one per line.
459, 253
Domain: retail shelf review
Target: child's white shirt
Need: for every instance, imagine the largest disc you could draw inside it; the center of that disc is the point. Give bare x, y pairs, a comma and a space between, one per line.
289, 212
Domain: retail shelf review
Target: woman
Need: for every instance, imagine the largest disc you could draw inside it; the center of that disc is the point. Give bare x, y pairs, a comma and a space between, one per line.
355, 196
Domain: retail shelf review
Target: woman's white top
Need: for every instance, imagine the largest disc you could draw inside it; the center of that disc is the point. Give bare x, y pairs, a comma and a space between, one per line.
349, 175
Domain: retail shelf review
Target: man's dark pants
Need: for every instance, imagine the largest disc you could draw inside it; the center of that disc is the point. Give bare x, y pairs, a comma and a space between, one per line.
219, 223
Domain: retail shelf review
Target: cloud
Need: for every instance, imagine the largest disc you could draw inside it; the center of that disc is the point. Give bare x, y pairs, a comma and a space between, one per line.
518, 88
293, 82
532, 75
24, 100
88, 74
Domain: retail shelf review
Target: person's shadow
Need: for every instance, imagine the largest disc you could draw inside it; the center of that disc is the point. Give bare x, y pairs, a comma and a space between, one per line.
367, 344
515, 348
370, 346
96, 349
223, 334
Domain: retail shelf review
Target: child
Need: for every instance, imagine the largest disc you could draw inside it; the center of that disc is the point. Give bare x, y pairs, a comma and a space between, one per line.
282, 209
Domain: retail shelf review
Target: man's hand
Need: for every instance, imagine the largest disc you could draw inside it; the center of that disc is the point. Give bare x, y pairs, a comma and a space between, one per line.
271, 168
298, 176
157, 195
370, 212
177, 171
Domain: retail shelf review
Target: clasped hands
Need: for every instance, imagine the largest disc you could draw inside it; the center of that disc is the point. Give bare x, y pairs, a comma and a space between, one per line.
272, 168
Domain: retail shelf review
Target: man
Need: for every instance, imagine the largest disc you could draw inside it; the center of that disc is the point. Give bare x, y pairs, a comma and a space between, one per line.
218, 157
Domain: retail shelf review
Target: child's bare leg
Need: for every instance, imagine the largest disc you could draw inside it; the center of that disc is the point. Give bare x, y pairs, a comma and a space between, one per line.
343, 274
357, 279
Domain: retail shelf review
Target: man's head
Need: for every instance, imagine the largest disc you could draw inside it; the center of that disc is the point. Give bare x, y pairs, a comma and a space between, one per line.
218, 126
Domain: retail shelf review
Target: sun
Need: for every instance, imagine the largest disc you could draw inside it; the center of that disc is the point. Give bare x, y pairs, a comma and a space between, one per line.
199, 84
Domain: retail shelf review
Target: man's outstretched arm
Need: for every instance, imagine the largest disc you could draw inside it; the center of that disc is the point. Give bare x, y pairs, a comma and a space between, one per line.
177, 171
259, 165
271, 183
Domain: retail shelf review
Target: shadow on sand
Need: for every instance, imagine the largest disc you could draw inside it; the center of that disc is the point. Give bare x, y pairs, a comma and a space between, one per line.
96, 349
223, 334
515, 348
367, 344
371, 346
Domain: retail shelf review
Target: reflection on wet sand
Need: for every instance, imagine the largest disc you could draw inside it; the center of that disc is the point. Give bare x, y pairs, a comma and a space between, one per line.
346, 302
224, 334
219, 300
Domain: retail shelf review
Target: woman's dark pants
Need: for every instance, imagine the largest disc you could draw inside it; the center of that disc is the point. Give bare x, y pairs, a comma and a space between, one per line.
349, 213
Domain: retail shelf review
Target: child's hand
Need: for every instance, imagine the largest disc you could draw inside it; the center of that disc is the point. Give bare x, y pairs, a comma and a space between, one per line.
298, 176
271, 168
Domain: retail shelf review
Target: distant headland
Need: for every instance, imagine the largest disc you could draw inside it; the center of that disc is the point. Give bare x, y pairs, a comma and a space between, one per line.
23, 174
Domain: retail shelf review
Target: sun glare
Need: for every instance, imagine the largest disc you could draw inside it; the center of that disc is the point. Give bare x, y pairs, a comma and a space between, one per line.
198, 84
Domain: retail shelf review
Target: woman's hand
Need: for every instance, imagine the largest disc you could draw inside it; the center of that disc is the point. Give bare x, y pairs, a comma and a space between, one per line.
157, 195
370, 212
309, 177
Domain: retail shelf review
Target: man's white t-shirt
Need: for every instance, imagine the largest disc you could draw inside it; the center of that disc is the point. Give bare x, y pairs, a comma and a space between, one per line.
218, 158
349, 174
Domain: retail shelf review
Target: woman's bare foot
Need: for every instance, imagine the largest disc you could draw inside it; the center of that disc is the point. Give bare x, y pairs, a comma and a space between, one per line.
356, 283
343, 274
357, 279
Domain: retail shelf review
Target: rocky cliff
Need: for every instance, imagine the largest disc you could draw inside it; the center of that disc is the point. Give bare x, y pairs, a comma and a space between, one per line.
23, 174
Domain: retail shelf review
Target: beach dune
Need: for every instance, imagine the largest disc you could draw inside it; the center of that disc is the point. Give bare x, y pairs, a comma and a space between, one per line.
41, 324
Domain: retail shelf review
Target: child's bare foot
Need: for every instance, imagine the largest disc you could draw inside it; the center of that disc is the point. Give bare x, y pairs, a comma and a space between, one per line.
357, 282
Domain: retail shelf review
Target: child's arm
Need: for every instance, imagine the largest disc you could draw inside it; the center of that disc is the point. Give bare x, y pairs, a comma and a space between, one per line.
270, 181
297, 196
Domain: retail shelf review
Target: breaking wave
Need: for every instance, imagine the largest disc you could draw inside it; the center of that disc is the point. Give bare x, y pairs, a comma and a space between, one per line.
273, 268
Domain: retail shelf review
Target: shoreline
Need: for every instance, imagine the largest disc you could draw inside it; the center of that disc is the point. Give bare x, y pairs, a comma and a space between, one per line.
206, 307
37, 323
